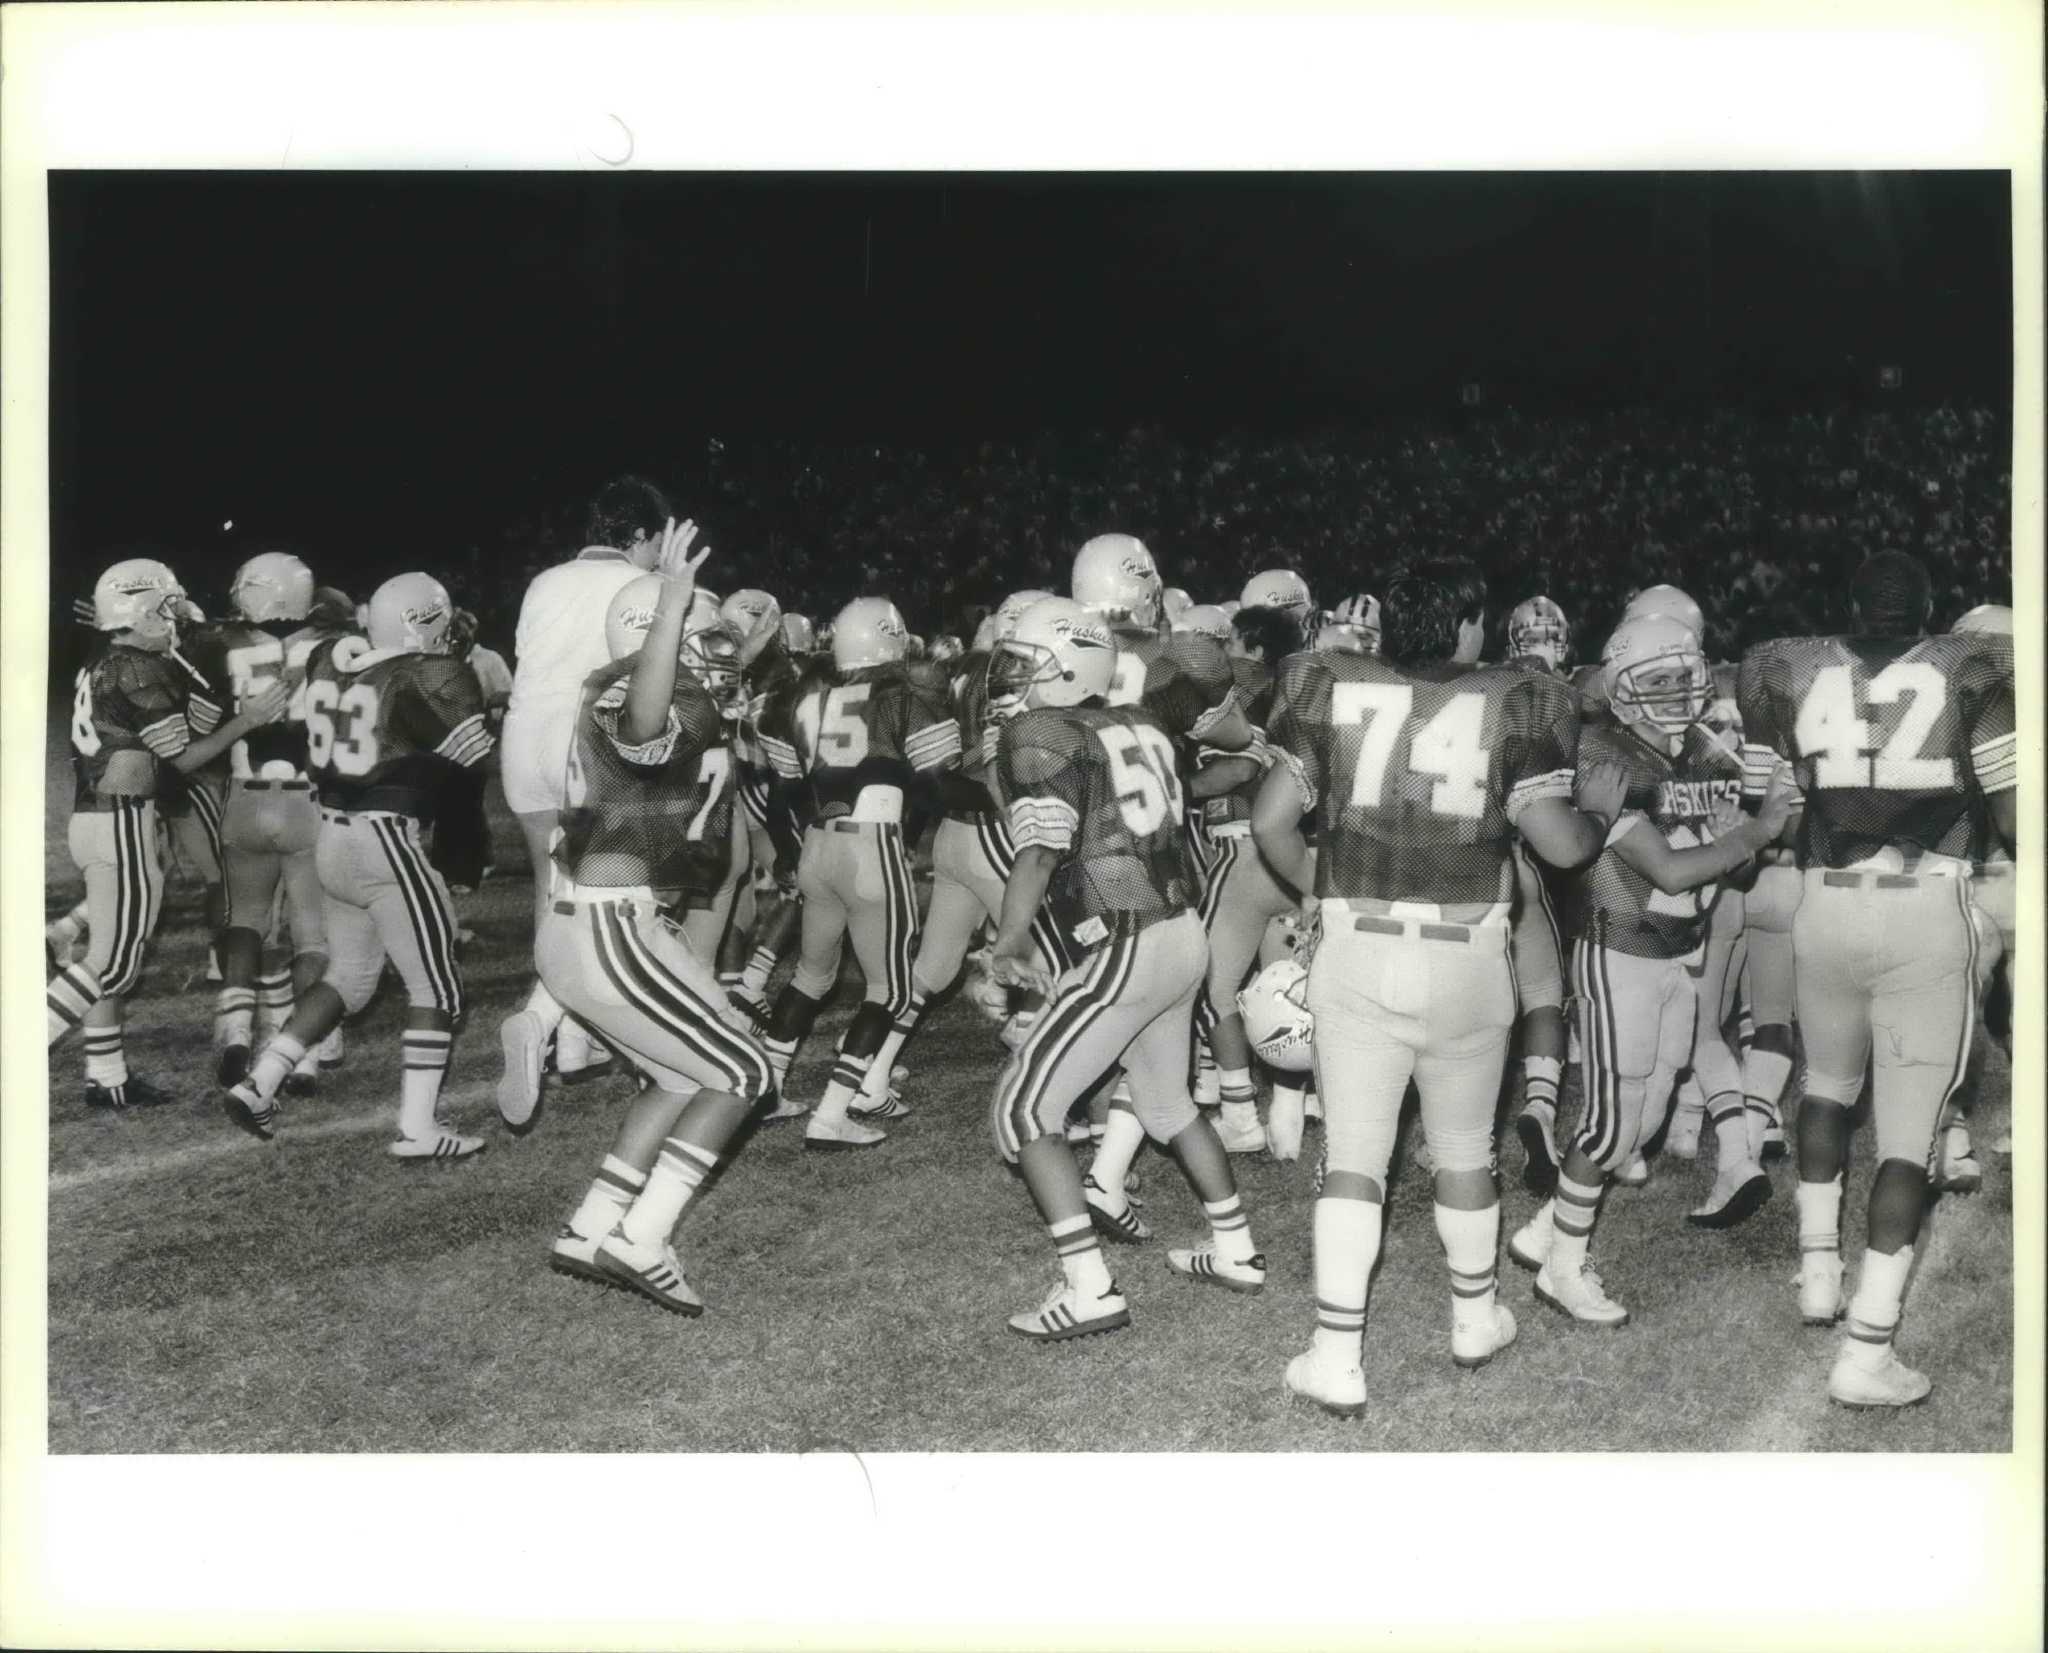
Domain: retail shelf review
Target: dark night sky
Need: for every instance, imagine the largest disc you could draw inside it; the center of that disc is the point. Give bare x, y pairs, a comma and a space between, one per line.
415, 355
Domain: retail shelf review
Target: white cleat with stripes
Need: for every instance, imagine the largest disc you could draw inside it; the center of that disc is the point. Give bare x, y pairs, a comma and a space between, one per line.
1529, 1245
442, 1148
654, 1271
840, 1135
1202, 1262
1332, 1384
891, 1107
1240, 1133
523, 1037
1066, 1313
576, 1256
246, 1107
1124, 1226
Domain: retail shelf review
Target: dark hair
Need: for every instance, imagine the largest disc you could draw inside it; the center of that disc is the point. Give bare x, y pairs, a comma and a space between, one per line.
1424, 606
625, 509
1274, 632
1891, 595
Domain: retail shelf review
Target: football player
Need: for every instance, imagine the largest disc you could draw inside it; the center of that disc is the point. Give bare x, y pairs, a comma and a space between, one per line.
1905, 750
868, 742
383, 715
647, 822
129, 724
1281, 588
1416, 769
1352, 627
1095, 810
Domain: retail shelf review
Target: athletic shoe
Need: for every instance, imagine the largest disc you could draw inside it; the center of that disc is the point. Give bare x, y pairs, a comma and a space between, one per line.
1529, 1245
1891, 1383
749, 1002
654, 1271
1202, 1262
444, 1147
786, 1107
1820, 1288
1329, 1383
523, 1037
573, 1255
1241, 1135
1536, 1125
833, 1136
1126, 1227
1475, 1342
1775, 1146
1955, 1169
892, 1106
232, 1067
246, 1108
1739, 1192
333, 1049
301, 1082
131, 1093
1285, 1122
1066, 1313
1577, 1292
596, 1068
1635, 1174
1682, 1141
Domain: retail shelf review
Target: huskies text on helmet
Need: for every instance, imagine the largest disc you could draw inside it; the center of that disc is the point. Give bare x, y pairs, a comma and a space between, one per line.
1277, 1019
868, 632
1205, 620
1279, 588
410, 614
1061, 654
1116, 577
142, 596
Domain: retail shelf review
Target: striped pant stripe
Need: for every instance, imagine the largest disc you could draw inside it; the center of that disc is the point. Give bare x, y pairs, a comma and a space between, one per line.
899, 908
1066, 1019
131, 899
662, 996
996, 844
1967, 1026
1600, 1127
433, 925
206, 809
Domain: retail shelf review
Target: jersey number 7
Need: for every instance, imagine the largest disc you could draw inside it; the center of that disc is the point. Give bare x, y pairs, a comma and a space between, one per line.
1450, 747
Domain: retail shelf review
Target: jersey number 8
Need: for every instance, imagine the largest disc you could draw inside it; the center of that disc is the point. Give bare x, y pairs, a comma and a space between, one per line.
341, 726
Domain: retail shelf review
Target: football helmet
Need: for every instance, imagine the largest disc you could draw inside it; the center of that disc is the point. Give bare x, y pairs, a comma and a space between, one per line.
274, 585
1352, 627
1667, 600
410, 614
1116, 577
750, 611
1011, 609
142, 596
1656, 675
629, 614
1061, 654
1174, 603
1279, 588
710, 653
799, 636
868, 632
984, 635
1992, 618
1537, 626
1205, 620
1277, 1020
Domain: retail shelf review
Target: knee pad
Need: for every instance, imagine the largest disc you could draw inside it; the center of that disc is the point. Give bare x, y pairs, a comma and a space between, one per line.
1464, 1148
1838, 1089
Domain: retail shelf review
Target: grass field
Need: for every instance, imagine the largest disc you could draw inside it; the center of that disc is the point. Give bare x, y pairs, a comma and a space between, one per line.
208, 1293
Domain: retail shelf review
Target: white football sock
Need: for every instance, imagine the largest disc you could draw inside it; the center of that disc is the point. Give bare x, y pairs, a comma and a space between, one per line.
1472, 1249
1347, 1243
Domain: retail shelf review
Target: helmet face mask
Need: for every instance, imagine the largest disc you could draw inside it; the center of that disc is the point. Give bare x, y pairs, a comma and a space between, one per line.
141, 597
1538, 627
1061, 654
711, 656
1352, 627
1656, 676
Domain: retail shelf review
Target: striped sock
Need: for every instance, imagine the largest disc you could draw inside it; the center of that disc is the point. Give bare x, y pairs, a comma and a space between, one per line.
781, 1052
759, 967
1573, 1210
1820, 1216
845, 1084
1731, 1130
1472, 1249
1231, 1228
1240, 1099
875, 1085
233, 1013
73, 991
1080, 1255
426, 1060
1874, 1311
272, 999
1745, 1030
678, 1173
1542, 1077
1122, 1137
106, 1063
1347, 1243
277, 1059
612, 1190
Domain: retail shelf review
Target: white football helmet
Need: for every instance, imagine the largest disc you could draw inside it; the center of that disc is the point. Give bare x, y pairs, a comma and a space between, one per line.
750, 611
1277, 1020
1279, 588
1205, 620
410, 613
142, 596
1174, 603
799, 636
984, 635
868, 632
274, 585
1116, 577
1667, 600
1656, 675
1011, 609
1230, 608
1537, 626
711, 654
1352, 627
1061, 654
1994, 619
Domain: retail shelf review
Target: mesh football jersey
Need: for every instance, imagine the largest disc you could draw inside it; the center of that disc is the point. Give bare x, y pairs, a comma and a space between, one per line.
235, 661
658, 814
966, 790
1611, 904
1182, 679
1415, 777
1894, 741
382, 728
1253, 682
877, 726
1101, 785
126, 701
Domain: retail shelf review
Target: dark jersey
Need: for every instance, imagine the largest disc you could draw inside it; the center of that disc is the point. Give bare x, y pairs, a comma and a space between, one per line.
1101, 786
235, 661
1415, 777
1182, 679
1895, 742
127, 715
1611, 904
382, 728
658, 814
876, 727
1253, 682
771, 675
967, 789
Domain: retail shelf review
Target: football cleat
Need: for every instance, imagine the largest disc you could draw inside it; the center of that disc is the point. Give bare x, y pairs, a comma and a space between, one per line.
1475, 1342
247, 1108
785, 1108
834, 1136
1577, 1292
576, 1256
1536, 1125
1739, 1192
301, 1083
1820, 1288
1529, 1245
1239, 1134
523, 1037
750, 1002
333, 1049
136, 1093
892, 1106
1126, 1227
1635, 1174
232, 1066
1955, 1169
654, 1271
1065, 1313
1203, 1262
1285, 1122
444, 1147
1336, 1387
1867, 1388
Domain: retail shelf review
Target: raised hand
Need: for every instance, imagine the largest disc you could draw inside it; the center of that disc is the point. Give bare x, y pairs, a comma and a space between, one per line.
674, 562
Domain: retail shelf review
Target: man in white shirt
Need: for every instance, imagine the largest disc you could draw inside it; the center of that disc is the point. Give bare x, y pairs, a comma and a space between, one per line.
560, 641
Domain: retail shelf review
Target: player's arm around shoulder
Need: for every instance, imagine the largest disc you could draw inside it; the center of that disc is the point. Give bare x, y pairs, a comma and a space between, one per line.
1565, 788
1218, 720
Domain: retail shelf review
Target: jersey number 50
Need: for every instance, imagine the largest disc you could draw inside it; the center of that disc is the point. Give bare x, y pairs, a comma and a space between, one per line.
1450, 747
1147, 784
341, 726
